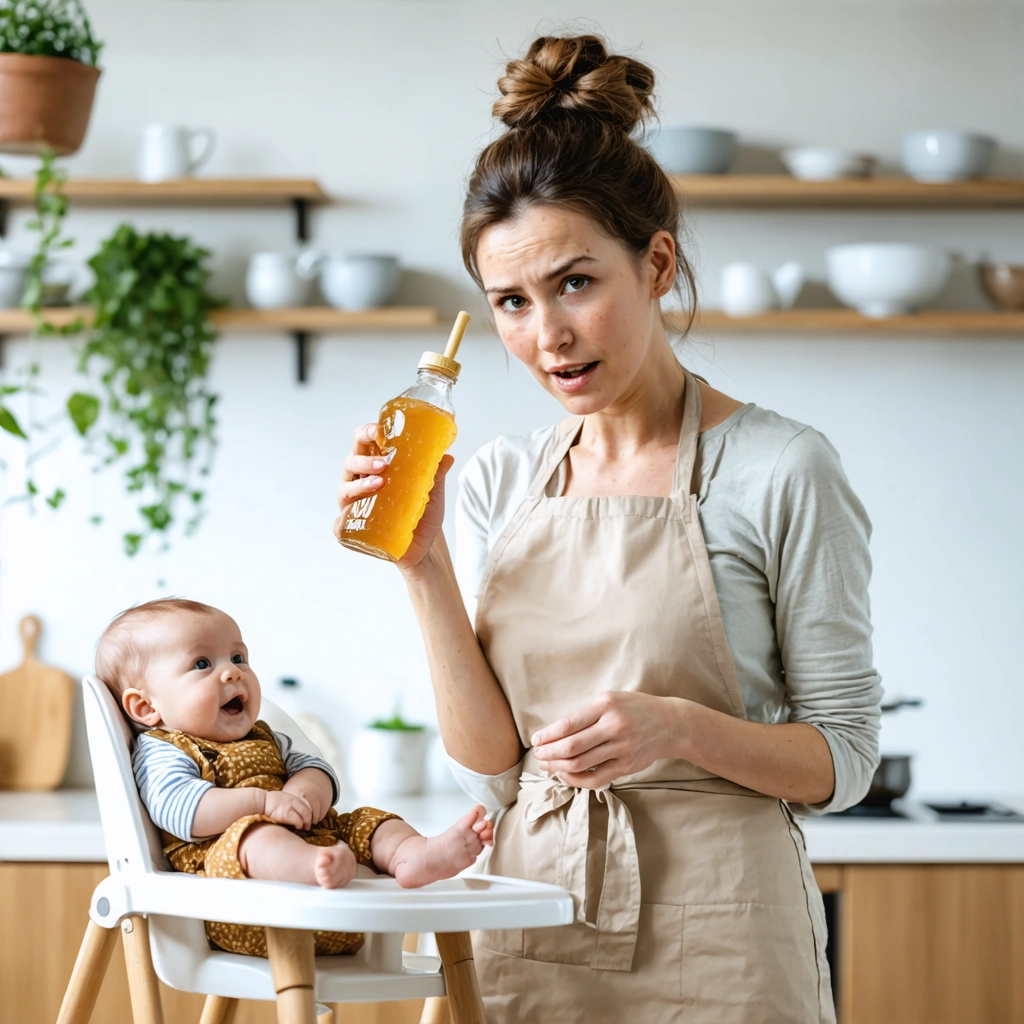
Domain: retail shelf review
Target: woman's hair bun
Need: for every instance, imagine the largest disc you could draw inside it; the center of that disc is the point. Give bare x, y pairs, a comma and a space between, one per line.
562, 76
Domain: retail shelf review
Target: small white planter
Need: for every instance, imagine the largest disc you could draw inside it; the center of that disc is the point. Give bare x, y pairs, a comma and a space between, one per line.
388, 762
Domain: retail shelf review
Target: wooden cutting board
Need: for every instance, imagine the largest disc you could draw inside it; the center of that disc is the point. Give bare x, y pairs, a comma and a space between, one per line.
36, 706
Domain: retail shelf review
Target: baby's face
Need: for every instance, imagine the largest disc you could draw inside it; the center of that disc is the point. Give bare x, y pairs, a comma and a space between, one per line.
197, 677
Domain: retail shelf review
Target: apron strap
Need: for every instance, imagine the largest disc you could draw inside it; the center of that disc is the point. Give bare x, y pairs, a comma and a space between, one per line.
689, 434
568, 434
618, 892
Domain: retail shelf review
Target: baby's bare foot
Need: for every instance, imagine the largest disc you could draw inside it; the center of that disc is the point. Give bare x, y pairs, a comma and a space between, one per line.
334, 866
420, 861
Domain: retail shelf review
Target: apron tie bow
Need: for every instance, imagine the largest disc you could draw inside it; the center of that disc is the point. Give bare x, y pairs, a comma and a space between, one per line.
618, 891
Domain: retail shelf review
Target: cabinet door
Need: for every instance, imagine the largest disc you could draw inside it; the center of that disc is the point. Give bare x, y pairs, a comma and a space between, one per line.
932, 944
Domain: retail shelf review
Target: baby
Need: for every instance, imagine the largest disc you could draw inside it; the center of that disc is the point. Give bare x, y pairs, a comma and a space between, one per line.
234, 799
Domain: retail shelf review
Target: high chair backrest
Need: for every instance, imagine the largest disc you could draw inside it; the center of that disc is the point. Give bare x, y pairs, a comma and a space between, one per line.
133, 842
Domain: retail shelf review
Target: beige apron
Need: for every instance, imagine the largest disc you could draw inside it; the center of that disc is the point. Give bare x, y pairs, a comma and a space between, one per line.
695, 898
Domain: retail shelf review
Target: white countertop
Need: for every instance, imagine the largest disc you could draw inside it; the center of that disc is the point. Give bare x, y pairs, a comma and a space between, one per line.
64, 826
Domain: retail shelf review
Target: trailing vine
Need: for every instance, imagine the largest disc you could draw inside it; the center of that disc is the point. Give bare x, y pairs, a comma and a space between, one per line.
151, 341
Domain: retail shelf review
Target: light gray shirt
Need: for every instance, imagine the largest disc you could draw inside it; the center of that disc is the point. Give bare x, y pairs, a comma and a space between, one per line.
788, 544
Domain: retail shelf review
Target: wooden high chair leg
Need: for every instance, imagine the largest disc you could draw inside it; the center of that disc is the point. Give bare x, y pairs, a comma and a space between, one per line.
87, 976
464, 1002
143, 986
290, 952
435, 1011
219, 1010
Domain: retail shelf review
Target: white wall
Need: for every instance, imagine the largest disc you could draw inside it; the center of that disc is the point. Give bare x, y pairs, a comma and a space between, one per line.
386, 103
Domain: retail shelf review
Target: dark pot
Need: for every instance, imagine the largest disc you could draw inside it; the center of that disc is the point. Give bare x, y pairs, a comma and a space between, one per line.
890, 781
45, 102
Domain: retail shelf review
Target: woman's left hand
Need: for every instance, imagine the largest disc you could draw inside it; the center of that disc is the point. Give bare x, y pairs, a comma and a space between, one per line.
619, 733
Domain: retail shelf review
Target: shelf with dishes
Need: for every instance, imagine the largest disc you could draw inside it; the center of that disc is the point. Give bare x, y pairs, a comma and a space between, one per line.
850, 321
299, 193
783, 190
300, 321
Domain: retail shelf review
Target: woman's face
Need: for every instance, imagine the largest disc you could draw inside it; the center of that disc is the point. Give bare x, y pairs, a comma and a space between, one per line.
574, 305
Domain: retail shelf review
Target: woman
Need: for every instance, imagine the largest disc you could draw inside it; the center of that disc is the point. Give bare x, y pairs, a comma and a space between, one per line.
671, 600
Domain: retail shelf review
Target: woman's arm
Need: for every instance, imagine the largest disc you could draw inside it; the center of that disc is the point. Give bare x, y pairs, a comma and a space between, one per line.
474, 716
475, 719
623, 732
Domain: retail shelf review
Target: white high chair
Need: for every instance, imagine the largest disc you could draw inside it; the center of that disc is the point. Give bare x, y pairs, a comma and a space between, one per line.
161, 912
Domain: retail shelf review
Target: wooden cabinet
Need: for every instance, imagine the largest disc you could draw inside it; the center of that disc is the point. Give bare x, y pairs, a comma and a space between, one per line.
914, 944
931, 944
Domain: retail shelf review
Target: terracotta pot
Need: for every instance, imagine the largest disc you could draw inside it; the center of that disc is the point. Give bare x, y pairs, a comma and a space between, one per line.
44, 101
1003, 284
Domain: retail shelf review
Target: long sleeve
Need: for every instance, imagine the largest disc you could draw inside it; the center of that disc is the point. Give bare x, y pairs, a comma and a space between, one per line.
819, 568
170, 785
296, 760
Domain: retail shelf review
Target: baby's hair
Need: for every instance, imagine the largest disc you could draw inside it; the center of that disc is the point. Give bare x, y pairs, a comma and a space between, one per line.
120, 659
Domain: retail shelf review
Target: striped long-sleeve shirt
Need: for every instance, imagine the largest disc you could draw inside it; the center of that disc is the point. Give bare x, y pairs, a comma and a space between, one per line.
171, 786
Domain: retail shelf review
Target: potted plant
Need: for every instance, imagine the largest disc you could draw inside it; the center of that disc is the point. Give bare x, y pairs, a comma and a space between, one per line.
48, 75
388, 758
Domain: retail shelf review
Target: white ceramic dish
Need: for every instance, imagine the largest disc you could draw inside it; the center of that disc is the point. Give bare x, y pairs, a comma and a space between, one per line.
13, 272
886, 279
684, 149
272, 281
826, 163
946, 155
354, 281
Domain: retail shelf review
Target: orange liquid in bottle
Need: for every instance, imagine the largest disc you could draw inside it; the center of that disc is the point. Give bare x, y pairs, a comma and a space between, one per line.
413, 436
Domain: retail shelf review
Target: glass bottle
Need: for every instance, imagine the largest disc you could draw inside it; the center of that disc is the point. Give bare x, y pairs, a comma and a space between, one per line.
413, 433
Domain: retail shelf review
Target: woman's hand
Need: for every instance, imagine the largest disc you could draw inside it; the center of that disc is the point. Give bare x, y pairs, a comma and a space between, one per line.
364, 474
619, 733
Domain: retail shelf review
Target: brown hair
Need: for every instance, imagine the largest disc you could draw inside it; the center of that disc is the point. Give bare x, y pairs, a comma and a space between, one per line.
120, 660
571, 109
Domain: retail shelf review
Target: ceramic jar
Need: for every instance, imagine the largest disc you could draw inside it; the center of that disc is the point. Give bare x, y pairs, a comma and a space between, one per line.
273, 281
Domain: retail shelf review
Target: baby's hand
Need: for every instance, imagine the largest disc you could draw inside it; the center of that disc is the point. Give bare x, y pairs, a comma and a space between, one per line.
288, 809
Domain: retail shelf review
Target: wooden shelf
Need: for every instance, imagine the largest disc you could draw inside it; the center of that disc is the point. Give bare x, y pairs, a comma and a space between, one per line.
782, 190
182, 192
302, 318
849, 321
299, 322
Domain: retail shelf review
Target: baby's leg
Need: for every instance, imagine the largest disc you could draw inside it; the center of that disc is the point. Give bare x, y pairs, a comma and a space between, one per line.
414, 860
273, 852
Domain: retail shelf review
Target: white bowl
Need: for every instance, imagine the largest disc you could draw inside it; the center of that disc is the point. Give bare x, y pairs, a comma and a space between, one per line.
826, 163
886, 279
682, 149
13, 273
353, 281
946, 155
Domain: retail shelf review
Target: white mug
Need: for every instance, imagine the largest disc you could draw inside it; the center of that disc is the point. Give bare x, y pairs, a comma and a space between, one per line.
746, 290
272, 281
167, 151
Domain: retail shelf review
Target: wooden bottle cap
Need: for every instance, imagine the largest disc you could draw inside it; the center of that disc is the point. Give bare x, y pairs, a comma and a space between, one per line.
446, 363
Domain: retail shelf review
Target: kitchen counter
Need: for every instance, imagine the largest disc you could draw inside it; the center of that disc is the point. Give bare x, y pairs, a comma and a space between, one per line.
64, 826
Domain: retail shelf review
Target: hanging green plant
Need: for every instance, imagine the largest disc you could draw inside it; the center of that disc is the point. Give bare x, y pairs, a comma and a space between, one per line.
150, 344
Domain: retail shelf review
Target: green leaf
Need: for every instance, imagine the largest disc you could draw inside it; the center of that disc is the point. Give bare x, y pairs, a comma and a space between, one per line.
132, 542
9, 423
56, 499
95, 520
84, 410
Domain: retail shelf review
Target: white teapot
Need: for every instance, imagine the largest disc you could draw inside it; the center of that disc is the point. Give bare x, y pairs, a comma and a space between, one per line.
747, 290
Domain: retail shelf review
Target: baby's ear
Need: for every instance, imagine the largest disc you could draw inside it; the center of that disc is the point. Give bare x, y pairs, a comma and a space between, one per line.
138, 708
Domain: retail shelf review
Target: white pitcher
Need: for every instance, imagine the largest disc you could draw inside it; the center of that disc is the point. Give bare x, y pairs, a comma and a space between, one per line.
167, 152
748, 290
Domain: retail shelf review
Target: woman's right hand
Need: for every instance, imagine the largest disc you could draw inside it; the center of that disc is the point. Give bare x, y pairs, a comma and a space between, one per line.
363, 475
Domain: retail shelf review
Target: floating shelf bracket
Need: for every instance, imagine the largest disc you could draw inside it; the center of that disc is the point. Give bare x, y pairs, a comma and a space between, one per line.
5, 206
301, 207
301, 354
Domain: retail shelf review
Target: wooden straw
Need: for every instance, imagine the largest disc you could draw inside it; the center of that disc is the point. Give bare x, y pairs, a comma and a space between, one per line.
455, 338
